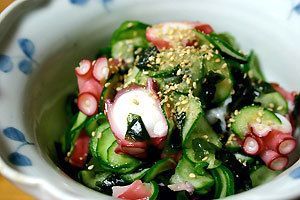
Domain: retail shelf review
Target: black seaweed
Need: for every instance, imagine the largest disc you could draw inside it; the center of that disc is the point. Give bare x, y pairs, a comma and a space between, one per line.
296, 111
136, 130
202, 148
208, 91
107, 184
71, 106
241, 173
143, 57
244, 90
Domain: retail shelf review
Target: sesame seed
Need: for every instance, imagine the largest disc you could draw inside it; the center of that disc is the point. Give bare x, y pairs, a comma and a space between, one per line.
99, 135
194, 85
93, 133
260, 113
184, 102
271, 105
236, 112
106, 84
205, 158
192, 175
231, 120
279, 107
90, 167
224, 66
259, 120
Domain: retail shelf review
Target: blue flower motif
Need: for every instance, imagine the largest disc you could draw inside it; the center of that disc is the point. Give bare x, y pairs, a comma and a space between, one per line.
295, 173
79, 2
83, 2
6, 64
14, 134
27, 47
19, 159
296, 8
25, 66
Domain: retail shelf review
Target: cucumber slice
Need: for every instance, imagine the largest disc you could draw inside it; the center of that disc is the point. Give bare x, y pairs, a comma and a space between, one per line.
249, 115
122, 163
155, 190
210, 159
224, 182
91, 178
196, 125
224, 47
202, 152
124, 49
273, 101
254, 67
159, 167
245, 160
73, 132
131, 76
223, 88
127, 30
134, 176
94, 139
109, 91
106, 139
232, 143
262, 175
229, 39
185, 172
92, 123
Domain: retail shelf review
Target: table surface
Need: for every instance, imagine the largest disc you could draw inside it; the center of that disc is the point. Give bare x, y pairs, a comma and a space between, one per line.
7, 190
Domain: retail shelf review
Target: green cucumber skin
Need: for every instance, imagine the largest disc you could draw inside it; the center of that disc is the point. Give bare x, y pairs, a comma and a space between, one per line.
185, 172
92, 123
196, 125
121, 163
73, 132
104, 142
225, 47
155, 189
253, 66
262, 175
92, 178
223, 88
276, 99
94, 139
159, 167
250, 114
224, 182
125, 30
134, 176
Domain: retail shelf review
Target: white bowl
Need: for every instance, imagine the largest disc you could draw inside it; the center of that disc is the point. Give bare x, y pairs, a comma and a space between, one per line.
41, 42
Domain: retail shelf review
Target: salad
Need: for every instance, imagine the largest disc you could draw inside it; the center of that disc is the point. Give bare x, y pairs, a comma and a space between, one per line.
175, 110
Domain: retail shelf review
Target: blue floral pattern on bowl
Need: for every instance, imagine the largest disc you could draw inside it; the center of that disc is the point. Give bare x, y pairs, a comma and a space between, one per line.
295, 173
17, 158
83, 2
25, 65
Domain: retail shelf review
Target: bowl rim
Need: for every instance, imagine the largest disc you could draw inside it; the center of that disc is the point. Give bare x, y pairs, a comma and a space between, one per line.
20, 178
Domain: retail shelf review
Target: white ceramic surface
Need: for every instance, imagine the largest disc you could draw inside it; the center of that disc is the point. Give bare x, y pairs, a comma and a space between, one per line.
41, 42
